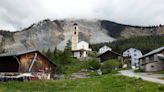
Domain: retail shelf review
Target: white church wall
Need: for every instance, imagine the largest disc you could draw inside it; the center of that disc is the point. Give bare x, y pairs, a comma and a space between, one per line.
83, 45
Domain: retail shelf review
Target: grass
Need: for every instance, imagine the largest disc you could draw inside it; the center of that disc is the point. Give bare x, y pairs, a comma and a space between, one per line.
161, 78
67, 69
160, 72
105, 83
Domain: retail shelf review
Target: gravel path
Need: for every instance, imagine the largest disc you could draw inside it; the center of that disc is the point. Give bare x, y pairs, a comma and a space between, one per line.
79, 75
144, 76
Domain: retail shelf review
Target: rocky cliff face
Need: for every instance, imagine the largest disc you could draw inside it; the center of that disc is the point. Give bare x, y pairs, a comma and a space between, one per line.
50, 34
44, 35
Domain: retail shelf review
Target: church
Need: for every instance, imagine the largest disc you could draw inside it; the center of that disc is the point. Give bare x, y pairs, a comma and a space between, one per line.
79, 49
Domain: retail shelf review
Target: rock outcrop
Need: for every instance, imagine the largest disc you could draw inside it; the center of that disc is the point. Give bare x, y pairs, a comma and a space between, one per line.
55, 34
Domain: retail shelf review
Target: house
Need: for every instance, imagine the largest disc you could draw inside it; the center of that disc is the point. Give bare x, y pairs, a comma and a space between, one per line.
27, 62
82, 50
152, 61
79, 49
83, 45
104, 49
108, 55
133, 55
80, 53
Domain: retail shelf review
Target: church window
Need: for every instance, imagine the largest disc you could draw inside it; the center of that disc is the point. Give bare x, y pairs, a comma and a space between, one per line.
152, 66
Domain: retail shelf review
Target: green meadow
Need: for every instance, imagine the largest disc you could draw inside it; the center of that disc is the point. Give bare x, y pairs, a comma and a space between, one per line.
104, 83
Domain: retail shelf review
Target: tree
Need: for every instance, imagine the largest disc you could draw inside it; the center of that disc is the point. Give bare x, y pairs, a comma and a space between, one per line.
68, 45
110, 65
49, 54
94, 64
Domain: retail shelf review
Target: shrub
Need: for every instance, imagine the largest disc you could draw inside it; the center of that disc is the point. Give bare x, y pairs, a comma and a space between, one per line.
106, 68
85, 65
92, 54
138, 70
93, 74
94, 64
110, 65
161, 87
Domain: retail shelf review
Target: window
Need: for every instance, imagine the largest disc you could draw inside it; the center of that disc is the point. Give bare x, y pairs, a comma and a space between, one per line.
135, 59
162, 52
135, 50
74, 32
152, 66
135, 54
75, 28
151, 57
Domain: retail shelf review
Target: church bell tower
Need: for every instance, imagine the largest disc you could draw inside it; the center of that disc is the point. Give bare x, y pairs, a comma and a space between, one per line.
75, 36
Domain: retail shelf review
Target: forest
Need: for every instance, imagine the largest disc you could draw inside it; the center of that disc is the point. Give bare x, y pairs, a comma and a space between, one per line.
143, 43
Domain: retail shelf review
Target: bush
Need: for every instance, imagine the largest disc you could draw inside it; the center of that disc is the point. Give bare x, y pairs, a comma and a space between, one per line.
94, 64
106, 68
93, 74
92, 54
85, 65
138, 70
161, 87
110, 65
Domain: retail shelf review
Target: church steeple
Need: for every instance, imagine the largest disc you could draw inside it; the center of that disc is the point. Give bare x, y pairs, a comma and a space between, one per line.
75, 34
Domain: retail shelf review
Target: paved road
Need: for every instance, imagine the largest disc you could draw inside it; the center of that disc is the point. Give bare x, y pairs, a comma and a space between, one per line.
144, 76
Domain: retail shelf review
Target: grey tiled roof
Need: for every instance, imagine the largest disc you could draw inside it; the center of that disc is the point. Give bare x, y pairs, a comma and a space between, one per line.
16, 53
153, 51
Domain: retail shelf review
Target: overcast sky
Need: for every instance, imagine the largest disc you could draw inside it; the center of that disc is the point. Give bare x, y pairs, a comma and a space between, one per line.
17, 14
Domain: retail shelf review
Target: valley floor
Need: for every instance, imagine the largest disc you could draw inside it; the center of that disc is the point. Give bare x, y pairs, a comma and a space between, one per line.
104, 83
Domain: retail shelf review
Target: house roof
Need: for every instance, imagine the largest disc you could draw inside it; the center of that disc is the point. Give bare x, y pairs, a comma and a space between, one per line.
153, 52
130, 49
79, 50
16, 53
24, 52
109, 51
105, 47
75, 24
83, 42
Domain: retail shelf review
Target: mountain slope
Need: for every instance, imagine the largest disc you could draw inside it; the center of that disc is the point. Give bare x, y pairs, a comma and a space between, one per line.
128, 31
50, 34
38, 36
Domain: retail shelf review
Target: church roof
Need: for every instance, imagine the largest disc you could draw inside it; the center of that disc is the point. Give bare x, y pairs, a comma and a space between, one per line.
75, 24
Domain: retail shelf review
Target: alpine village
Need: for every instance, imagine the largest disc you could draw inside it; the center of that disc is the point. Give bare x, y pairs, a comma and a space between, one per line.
98, 56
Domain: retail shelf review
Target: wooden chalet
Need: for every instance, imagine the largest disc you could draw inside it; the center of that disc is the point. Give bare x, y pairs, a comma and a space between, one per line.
27, 62
109, 55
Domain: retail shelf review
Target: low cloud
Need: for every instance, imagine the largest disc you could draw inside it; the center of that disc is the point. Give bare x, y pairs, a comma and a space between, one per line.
17, 14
